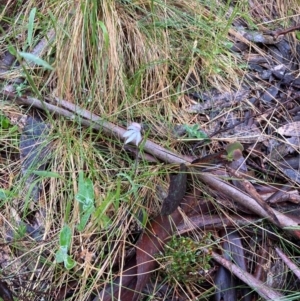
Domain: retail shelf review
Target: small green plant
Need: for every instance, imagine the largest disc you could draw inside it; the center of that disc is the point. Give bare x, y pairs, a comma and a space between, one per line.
184, 261
195, 132
20, 231
20, 88
4, 122
9, 132
85, 197
7, 194
234, 151
112, 198
61, 255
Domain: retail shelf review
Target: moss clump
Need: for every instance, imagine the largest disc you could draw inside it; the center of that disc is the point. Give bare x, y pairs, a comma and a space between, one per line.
184, 259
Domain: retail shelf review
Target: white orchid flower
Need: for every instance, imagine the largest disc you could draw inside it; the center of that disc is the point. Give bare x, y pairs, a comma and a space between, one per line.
133, 133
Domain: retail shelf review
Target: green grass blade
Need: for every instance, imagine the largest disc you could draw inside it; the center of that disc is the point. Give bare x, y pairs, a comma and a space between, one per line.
31, 26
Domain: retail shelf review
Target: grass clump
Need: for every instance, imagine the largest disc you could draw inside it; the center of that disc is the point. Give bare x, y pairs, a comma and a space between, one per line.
114, 57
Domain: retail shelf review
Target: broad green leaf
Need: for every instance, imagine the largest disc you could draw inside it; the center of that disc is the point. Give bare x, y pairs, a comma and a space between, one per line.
145, 217
228, 44
84, 217
4, 122
30, 26
201, 135
85, 195
35, 59
61, 255
69, 263
65, 237
233, 146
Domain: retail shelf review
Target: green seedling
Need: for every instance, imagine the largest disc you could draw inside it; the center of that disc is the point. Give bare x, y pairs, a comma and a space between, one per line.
8, 131
234, 151
194, 132
20, 88
61, 255
85, 197
20, 232
4, 122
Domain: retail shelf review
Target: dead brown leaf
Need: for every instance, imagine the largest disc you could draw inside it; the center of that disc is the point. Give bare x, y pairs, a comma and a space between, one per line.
177, 190
290, 129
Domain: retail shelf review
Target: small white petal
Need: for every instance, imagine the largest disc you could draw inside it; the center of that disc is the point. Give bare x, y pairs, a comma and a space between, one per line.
128, 133
134, 127
130, 139
138, 139
133, 133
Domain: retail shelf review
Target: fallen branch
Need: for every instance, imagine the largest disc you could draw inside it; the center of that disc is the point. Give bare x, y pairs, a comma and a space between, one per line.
94, 121
89, 119
288, 262
263, 290
246, 201
213, 222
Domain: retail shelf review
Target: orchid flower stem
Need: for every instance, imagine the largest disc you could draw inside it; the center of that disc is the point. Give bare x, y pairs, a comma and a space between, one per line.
136, 163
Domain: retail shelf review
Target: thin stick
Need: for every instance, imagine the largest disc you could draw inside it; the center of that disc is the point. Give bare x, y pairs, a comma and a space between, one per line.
263, 290
97, 123
246, 201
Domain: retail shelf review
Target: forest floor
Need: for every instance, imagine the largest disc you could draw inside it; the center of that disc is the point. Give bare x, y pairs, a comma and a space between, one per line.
149, 150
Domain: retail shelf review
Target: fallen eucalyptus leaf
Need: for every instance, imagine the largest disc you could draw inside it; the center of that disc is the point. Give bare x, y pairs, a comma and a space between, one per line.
290, 129
176, 193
